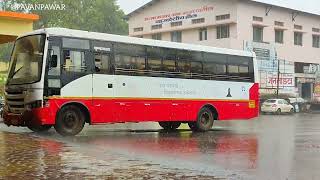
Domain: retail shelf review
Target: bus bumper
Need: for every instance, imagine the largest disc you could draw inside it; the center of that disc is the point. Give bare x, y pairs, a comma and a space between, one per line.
39, 116
12, 119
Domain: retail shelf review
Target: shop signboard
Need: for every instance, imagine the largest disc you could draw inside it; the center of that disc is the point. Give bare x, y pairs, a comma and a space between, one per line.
179, 16
317, 90
285, 80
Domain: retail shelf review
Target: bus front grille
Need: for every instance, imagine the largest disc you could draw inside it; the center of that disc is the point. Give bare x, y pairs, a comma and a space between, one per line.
15, 101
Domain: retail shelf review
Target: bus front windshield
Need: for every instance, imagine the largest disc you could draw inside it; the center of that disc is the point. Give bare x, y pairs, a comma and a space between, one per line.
26, 60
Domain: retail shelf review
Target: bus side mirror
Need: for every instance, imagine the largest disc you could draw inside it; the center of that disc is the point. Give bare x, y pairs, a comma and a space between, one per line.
54, 61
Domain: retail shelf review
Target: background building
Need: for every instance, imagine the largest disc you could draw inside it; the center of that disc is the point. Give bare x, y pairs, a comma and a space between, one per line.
277, 35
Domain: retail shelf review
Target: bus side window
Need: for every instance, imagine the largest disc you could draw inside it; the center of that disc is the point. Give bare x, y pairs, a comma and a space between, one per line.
196, 67
138, 63
169, 60
55, 71
74, 61
122, 61
169, 65
233, 70
183, 66
154, 61
244, 71
209, 68
102, 63
220, 69
239, 66
154, 64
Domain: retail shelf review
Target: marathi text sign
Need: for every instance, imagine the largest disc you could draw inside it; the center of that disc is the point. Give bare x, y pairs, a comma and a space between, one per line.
285, 80
178, 16
317, 90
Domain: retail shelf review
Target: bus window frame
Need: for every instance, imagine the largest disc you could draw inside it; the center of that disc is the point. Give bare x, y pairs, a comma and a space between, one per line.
173, 56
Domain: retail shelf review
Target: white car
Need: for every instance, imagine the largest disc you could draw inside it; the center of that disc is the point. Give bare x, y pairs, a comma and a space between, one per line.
277, 106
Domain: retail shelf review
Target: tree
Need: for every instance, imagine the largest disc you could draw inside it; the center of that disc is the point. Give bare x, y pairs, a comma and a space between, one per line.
90, 15
5, 51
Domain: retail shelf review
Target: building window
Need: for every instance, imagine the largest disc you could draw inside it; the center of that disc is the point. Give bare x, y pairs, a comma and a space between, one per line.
158, 26
278, 23
315, 30
298, 27
198, 21
223, 31
316, 41
258, 34
203, 34
279, 36
176, 36
298, 38
174, 24
157, 36
138, 29
259, 19
223, 17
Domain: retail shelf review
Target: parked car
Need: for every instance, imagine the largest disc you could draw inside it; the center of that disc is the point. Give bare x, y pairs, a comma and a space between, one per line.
277, 106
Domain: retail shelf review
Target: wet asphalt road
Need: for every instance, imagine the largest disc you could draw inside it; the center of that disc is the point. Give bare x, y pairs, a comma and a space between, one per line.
270, 147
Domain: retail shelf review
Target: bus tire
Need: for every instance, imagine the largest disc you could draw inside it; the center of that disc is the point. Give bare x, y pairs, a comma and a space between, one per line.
39, 128
193, 126
169, 126
204, 121
70, 121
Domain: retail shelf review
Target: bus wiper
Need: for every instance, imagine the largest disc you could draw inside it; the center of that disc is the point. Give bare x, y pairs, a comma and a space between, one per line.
17, 71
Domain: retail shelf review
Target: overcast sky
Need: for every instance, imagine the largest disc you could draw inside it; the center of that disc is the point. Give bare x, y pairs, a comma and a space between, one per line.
312, 6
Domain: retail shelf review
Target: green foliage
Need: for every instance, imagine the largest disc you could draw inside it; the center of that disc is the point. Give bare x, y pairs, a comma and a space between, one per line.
5, 51
90, 15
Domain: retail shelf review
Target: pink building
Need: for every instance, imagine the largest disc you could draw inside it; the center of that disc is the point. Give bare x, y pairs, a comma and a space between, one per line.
273, 32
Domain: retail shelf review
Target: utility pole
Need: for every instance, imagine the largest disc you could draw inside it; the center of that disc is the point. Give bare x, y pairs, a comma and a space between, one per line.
278, 78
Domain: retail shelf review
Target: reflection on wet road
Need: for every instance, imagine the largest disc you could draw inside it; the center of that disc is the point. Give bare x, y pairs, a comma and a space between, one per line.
271, 147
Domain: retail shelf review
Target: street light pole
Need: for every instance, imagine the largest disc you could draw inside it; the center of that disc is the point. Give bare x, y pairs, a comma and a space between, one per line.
278, 79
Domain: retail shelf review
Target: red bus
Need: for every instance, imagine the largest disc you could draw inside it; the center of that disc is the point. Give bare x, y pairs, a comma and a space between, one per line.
66, 78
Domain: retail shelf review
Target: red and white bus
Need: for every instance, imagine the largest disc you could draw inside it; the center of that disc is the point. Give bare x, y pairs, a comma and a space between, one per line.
66, 78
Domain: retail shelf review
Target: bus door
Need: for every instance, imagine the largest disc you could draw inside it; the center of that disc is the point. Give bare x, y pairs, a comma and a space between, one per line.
103, 88
53, 81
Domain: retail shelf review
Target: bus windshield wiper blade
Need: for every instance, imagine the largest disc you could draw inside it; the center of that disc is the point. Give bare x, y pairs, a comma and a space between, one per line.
16, 71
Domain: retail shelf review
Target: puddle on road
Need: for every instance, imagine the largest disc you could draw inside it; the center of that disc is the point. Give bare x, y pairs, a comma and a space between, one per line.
22, 155
273, 147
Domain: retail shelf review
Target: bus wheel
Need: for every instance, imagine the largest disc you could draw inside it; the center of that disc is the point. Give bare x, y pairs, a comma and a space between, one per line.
193, 126
70, 121
39, 128
204, 121
170, 125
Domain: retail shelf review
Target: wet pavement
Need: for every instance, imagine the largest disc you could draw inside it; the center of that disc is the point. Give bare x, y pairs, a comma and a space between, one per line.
270, 147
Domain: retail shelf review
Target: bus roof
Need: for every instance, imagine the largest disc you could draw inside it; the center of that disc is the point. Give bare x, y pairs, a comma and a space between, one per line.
139, 41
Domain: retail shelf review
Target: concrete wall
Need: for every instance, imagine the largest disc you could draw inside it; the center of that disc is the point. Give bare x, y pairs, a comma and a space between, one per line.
14, 24
15, 27
241, 25
190, 31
